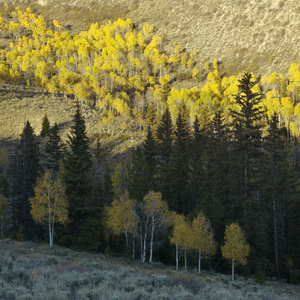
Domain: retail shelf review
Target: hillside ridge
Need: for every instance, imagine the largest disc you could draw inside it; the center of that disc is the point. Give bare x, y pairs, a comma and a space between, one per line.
260, 36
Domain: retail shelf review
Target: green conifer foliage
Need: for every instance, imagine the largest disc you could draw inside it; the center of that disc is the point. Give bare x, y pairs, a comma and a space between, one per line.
45, 127
248, 155
164, 139
28, 169
54, 149
275, 183
84, 222
180, 162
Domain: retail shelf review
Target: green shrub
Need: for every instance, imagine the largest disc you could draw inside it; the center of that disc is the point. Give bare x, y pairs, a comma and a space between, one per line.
260, 277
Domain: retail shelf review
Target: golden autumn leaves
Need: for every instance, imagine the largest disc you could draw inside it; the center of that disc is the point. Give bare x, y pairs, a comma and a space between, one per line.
138, 220
50, 204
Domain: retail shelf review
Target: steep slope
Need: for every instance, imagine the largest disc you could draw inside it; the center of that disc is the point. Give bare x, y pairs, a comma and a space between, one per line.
258, 35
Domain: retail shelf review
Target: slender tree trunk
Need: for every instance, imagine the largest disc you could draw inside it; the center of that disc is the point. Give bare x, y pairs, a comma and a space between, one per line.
151, 243
141, 239
185, 262
199, 262
133, 246
145, 246
176, 257
232, 273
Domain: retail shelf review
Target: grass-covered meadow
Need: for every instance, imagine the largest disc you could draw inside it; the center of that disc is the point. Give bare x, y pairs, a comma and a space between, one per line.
32, 271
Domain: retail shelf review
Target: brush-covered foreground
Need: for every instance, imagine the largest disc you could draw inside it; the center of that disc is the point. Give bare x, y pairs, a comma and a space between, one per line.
32, 271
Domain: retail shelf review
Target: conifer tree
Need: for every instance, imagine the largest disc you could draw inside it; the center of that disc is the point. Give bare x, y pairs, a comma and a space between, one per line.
82, 231
164, 139
179, 198
247, 150
54, 149
275, 185
140, 174
45, 126
28, 169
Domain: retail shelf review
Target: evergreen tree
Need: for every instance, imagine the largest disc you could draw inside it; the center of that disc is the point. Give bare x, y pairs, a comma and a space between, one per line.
82, 231
45, 126
54, 149
275, 185
28, 169
179, 162
252, 208
140, 175
292, 211
163, 173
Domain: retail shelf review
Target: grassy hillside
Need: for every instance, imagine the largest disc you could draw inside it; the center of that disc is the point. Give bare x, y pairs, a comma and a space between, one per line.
32, 271
258, 35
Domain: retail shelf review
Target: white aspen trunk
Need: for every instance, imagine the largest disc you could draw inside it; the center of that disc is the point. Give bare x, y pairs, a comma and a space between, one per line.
144, 250
185, 262
151, 242
232, 274
176, 257
199, 262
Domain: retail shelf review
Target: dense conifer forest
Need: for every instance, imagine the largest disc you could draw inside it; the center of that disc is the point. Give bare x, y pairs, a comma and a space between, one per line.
217, 150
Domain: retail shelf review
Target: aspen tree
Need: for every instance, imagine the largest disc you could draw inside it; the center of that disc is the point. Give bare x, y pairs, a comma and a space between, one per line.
50, 204
155, 208
203, 239
235, 248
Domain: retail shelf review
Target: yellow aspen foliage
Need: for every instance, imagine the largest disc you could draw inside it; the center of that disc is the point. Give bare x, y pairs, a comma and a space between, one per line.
121, 216
202, 238
57, 25
50, 204
147, 30
181, 236
4, 72
195, 72
235, 248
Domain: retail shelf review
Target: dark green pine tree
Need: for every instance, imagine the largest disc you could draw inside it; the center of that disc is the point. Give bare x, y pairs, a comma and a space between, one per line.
196, 152
83, 228
275, 189
54, 149
293, 212
248, 153
179, 198
45, 126
214, 171
164, 141
27, 170
140, 174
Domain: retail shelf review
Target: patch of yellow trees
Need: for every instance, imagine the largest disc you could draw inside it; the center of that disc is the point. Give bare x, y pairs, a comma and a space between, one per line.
122, 69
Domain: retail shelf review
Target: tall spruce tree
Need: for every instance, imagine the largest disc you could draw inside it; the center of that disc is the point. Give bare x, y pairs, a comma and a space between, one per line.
141, 170
54, 149
180, 162
27, 170
248, 152
275, 184
82, 231
45, 126
164, 140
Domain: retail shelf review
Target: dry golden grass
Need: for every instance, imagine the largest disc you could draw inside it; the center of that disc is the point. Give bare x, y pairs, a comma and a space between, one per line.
242, 34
